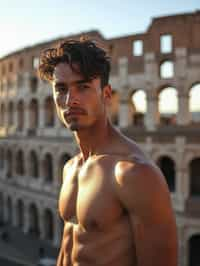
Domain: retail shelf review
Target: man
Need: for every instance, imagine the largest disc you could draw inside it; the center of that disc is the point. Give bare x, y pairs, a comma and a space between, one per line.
114, 201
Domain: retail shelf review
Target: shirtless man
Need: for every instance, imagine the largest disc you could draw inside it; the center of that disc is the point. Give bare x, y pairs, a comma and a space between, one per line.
114, 201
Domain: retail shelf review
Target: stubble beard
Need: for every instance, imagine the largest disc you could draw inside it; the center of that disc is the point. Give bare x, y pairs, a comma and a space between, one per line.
74, 125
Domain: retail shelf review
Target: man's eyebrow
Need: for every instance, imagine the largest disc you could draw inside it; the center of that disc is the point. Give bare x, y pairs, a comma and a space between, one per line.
80, 81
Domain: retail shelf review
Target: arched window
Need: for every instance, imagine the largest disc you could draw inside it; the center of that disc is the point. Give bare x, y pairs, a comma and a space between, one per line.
20, 115
167, 167
20, 162
194, 168
2, 158
9, 159
20, 81
49, 112
10, 113
20, 213
194, 103
34, 221
33, 165
167, 70
168, 106
9, 210
49, 225
48, 168
139, 104
194, 243
33, 84
2, 208
33, 118
2, 115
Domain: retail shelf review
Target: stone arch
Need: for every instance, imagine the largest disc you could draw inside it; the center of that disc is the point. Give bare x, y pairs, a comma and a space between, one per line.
49, 110
167, 166
138, 99
20, 81
194, 243
194, 102
2, 157
33, 114
9, 159
10, 113
48, 167
168, 105
1, 208
20, 213
33, 84
2, 115
20, 162
166, 69
33, 220
114, 107
194, 173
33, 165
20, 114
64, 158
9, 210
49, 224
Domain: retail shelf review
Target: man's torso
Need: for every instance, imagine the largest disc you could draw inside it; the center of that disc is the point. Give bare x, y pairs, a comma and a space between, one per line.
102, 233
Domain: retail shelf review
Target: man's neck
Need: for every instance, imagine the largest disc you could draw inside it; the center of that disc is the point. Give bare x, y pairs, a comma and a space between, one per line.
94, 140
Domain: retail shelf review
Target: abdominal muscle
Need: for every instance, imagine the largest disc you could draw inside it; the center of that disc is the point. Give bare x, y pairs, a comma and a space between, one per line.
110, 247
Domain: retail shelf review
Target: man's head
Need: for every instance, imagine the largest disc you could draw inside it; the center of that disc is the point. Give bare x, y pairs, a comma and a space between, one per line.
79, 73
91, 59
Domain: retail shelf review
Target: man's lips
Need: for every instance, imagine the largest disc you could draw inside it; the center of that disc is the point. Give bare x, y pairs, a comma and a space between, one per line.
74, 111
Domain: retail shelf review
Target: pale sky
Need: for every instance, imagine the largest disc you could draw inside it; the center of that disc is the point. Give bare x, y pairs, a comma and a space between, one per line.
24, 23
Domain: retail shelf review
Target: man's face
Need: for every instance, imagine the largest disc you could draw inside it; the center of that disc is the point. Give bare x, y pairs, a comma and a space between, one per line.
79, 103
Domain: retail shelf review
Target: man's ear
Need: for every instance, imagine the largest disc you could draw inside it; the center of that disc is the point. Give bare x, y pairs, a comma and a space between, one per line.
107, 92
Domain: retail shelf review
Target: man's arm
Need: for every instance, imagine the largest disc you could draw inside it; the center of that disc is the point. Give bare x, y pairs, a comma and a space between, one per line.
144, 193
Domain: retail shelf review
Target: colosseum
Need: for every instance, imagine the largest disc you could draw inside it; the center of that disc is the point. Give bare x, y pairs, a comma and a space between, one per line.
155, 78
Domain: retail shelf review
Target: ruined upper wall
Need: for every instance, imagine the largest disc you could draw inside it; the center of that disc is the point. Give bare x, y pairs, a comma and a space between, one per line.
184, 29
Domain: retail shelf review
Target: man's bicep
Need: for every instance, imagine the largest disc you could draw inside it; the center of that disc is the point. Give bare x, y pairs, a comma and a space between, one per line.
144, 194
156, 244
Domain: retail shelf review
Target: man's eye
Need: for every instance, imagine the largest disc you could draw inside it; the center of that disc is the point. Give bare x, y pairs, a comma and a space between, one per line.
61, 89
83, 86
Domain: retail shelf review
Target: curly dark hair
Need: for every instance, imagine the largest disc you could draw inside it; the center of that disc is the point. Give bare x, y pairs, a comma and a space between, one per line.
91, 59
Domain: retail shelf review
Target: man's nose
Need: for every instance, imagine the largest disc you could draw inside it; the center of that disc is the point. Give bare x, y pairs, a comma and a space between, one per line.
71, 98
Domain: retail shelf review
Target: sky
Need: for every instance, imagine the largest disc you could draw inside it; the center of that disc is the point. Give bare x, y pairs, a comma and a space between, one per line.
24, 23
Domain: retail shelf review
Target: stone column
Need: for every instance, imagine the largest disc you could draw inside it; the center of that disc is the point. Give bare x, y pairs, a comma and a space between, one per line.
41, 117
15, 116
6, 117
125, 116
26, 117
125, 113
183, 115
152, 116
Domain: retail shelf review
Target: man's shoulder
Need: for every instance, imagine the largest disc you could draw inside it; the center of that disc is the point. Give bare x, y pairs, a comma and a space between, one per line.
71, 161
140, 183
137, 171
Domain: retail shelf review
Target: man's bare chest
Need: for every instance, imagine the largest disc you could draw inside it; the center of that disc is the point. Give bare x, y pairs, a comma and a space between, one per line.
88, 194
